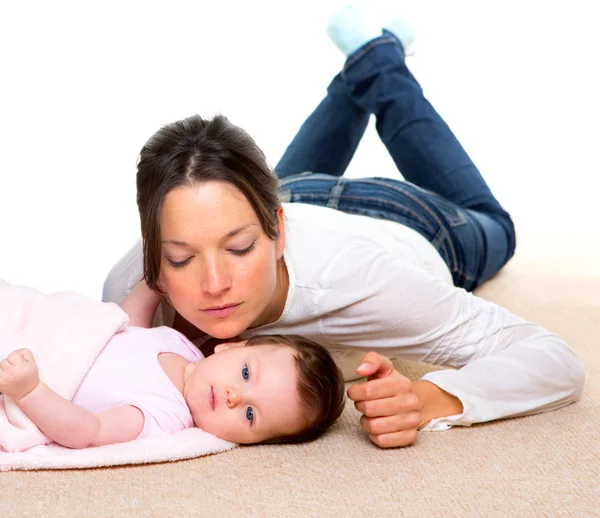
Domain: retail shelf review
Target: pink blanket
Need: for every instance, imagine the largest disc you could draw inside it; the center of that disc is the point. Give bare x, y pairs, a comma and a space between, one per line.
66, 331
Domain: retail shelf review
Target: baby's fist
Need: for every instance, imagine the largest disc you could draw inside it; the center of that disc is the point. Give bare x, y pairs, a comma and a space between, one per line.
18, 374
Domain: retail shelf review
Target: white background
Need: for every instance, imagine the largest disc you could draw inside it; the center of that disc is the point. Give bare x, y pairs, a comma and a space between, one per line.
84, 84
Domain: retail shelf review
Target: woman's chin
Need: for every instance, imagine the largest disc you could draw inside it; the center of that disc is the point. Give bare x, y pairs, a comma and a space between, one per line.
224, 329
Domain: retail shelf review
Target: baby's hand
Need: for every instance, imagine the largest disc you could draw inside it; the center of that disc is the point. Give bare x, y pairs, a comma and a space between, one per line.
18, 374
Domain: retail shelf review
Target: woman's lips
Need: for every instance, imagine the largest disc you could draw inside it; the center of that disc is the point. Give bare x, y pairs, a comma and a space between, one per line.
221, 312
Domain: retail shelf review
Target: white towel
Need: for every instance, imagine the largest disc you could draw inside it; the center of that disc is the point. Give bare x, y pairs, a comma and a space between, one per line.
186, 444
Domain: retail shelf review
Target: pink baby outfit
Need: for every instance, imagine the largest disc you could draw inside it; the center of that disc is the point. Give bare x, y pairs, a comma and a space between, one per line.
127, 372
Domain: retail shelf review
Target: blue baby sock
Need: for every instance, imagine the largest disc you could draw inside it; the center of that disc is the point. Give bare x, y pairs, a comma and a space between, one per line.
352, 27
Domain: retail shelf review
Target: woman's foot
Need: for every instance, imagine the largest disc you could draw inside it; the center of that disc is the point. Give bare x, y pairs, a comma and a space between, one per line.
404, 32
356, 24
351, 27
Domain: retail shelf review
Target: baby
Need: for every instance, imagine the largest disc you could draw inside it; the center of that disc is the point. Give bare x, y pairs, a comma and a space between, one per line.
148, 382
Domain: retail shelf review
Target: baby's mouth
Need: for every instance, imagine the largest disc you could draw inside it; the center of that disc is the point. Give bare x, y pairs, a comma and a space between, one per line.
211, 398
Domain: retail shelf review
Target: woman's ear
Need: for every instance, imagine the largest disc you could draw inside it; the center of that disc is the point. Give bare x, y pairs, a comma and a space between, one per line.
229, 345
280, 247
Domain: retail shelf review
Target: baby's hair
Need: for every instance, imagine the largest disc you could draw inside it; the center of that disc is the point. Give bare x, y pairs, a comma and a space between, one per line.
320, 385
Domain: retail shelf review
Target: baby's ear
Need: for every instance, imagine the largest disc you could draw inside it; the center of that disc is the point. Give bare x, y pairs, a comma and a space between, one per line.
229, 345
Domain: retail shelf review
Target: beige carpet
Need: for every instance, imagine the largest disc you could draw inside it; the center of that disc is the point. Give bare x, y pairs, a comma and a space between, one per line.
546, 465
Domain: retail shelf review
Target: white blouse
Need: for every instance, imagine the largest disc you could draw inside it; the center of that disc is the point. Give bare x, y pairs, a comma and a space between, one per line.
358, 284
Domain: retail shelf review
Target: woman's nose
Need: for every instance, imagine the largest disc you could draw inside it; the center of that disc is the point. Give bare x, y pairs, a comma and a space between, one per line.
215, 278
234, 396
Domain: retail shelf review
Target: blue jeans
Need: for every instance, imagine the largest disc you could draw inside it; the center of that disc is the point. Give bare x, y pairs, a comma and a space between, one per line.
444, 197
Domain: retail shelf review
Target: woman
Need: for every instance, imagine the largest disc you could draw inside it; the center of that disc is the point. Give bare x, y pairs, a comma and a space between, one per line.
356, 265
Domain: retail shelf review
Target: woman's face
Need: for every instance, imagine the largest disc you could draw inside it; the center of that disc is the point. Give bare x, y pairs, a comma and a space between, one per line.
218, 267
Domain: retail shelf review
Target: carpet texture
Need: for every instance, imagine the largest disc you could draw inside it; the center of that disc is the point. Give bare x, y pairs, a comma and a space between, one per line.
545, 465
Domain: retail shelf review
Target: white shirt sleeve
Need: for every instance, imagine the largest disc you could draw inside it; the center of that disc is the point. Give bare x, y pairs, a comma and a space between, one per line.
124, 275
507, 366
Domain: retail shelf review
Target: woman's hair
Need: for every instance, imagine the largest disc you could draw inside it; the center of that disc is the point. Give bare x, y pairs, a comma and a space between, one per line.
320, 385
195, 150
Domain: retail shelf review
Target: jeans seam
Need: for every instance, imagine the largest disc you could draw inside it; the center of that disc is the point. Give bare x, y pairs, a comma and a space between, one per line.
393, 203
336, 194
365, 49
335, 205
299, 177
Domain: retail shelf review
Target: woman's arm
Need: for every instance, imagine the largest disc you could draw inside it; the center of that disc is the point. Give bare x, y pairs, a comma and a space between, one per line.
502, 365
140, 305
125, 286
61, 420
125, 275
434, 402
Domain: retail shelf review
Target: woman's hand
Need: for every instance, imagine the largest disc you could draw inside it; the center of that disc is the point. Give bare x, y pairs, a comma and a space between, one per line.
395, 408
391, 410
18, 374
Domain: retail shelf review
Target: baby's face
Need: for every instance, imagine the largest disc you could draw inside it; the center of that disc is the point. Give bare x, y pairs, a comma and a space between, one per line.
245, 394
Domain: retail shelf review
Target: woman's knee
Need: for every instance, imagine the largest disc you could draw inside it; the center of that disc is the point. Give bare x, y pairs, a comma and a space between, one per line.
511, 237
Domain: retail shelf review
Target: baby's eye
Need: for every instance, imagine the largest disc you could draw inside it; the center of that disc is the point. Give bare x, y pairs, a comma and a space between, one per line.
246, 373
250, 414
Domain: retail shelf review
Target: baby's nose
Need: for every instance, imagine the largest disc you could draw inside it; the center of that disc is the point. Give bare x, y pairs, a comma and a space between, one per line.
234, 396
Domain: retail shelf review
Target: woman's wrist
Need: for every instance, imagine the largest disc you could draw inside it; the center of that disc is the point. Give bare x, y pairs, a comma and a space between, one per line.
435, 402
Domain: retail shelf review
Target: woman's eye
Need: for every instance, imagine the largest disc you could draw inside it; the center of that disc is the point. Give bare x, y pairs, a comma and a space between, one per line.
246, 373
250, 414
179, 264
243, 251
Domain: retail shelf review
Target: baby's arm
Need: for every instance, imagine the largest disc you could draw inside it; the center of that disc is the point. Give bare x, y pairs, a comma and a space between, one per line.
61, 420
140, 305
75, 427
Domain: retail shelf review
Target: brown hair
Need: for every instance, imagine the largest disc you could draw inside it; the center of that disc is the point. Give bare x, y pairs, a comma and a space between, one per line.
194, 150
320, 385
